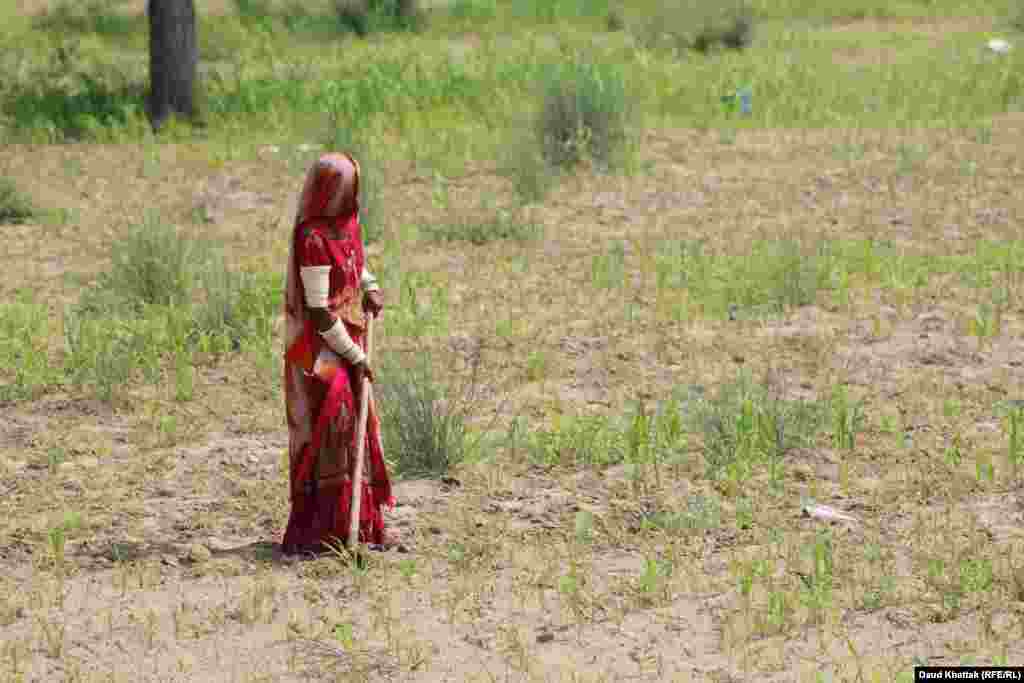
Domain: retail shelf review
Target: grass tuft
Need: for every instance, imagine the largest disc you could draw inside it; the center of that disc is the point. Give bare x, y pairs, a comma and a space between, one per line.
24, 354
746, 425
584, 114
152, 264
15, 207
425, 426
364, 17
693, 25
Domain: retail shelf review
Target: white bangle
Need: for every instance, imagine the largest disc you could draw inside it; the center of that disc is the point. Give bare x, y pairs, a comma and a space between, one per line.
368, 281
341, 343
316, 280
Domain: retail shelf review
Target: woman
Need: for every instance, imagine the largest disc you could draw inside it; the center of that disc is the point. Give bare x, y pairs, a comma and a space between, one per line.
325, 320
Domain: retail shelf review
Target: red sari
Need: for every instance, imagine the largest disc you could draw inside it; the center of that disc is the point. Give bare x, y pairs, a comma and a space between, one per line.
322, 418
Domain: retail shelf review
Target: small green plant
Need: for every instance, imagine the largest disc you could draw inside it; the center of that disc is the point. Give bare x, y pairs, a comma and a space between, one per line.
537, 366
653, 582
527, 166
986, 323
952, 407
24, 349
608, 270
982, 134
818, 583
57, 537
954, 452
746, 425
847, 419
584, 526
701, 513
55, 457
910, 158
584, 114
152, 264
1014, 421
15, 207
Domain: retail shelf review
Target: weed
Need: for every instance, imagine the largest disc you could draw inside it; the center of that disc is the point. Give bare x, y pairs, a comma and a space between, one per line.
527, 166
425, 428
847, 419
152, 264
584, 114
24, 349
746, 425
15, 207
701, 513
608, 270
1014, 420
986, 323
818, 582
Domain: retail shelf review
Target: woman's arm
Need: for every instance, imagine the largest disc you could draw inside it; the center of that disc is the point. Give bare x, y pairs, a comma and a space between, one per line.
315, 271
316, 283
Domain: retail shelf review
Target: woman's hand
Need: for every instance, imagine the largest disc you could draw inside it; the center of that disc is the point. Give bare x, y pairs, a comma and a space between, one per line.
373, 302
364, 371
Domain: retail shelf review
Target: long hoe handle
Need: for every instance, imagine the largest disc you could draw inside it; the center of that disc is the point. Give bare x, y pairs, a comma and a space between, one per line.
357, 476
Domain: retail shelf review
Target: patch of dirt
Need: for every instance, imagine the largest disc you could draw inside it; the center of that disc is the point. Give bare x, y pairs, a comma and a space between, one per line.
223, 195
930, 340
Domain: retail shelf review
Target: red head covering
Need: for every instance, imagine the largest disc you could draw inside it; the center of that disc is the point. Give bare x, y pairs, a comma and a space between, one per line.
331, 189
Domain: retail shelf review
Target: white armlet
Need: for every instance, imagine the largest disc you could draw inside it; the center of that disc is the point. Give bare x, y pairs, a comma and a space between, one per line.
368, 281
341, 343
316, 280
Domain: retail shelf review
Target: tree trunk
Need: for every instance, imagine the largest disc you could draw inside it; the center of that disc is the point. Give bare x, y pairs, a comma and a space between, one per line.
173, 59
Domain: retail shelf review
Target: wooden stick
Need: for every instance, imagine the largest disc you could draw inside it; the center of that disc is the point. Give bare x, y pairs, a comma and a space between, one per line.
357, 476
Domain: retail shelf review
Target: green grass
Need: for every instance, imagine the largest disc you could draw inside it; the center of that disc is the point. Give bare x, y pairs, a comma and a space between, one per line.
503, 225
408, 86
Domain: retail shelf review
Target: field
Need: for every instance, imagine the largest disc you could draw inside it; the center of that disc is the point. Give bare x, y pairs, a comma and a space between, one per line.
690, 394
